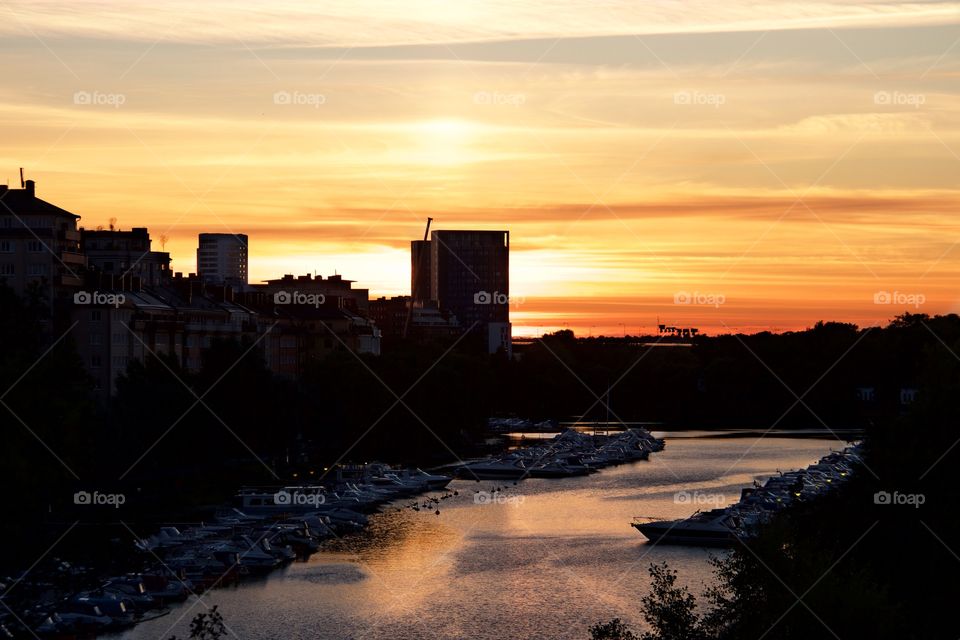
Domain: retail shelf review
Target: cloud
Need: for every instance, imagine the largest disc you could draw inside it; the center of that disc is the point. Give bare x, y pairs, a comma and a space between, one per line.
379, 22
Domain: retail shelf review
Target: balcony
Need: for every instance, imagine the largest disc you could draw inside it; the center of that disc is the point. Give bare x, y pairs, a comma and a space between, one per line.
67, 280
71, 235
73, 257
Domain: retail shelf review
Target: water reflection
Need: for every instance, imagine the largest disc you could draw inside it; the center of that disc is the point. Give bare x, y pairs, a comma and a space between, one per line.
555, 557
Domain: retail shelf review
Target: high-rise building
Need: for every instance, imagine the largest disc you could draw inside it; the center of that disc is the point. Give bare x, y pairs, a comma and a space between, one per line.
222, 258
470, 277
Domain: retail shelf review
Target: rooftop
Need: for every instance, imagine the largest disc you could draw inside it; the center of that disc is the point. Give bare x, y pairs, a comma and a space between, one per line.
25, 202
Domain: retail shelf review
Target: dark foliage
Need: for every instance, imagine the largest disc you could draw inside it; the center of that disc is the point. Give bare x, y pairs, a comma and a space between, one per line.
851, 564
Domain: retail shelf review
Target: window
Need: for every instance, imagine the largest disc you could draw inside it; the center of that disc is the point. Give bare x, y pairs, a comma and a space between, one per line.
7, 246
38, 269
95, 362
96, 315
36, 246
96, 338
7, 269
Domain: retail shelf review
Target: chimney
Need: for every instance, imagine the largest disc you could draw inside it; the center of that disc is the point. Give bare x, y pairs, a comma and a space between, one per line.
31, 188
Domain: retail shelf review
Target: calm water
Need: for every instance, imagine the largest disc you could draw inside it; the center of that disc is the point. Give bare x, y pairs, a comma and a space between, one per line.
549, 560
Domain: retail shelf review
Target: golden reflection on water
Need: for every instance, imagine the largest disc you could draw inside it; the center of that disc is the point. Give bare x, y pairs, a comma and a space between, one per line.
541, 559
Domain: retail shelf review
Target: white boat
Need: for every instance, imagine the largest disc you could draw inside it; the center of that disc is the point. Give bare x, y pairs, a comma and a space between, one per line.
495, 469
433, 481
716, 527
73, 623
246, 554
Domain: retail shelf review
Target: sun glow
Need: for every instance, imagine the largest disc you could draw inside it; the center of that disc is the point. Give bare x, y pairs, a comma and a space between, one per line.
626, 171
445, 141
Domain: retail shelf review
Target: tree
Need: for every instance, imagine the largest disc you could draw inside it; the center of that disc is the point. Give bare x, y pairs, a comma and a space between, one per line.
670, 610
207, 626
613, 630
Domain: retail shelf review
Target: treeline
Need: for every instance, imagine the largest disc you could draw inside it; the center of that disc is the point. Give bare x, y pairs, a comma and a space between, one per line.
857, 563
730, 380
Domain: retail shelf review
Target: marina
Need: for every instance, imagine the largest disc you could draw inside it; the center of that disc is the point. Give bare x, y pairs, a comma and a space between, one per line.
286, 531
568, 453
266, 528
723, 526
493, 562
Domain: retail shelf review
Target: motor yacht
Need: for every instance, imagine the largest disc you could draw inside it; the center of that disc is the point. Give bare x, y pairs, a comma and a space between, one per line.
716, 527
495, 470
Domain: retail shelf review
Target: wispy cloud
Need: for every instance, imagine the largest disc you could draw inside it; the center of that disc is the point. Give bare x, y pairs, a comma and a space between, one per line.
633, 149
379, 22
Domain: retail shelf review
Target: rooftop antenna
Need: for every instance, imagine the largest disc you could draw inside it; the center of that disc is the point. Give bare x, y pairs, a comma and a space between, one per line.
22, 183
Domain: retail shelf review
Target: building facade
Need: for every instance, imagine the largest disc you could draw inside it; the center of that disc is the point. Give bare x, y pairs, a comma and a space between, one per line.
334, 290
420, 287
39, 245
123, 304
117, 255
394, 317
222, 258
470, 278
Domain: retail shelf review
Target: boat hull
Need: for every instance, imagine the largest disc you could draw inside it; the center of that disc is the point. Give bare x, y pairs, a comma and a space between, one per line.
659, 534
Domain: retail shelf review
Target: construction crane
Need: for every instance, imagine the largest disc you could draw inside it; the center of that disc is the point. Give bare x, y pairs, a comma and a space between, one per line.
413, 292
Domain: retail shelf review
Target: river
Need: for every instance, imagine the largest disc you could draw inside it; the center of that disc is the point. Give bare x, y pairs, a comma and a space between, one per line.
544, 559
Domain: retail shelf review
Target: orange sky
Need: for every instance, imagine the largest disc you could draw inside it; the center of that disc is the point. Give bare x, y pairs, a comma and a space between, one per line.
770, 171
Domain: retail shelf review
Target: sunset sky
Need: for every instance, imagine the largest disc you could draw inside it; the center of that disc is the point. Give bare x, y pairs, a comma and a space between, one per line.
789, 159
